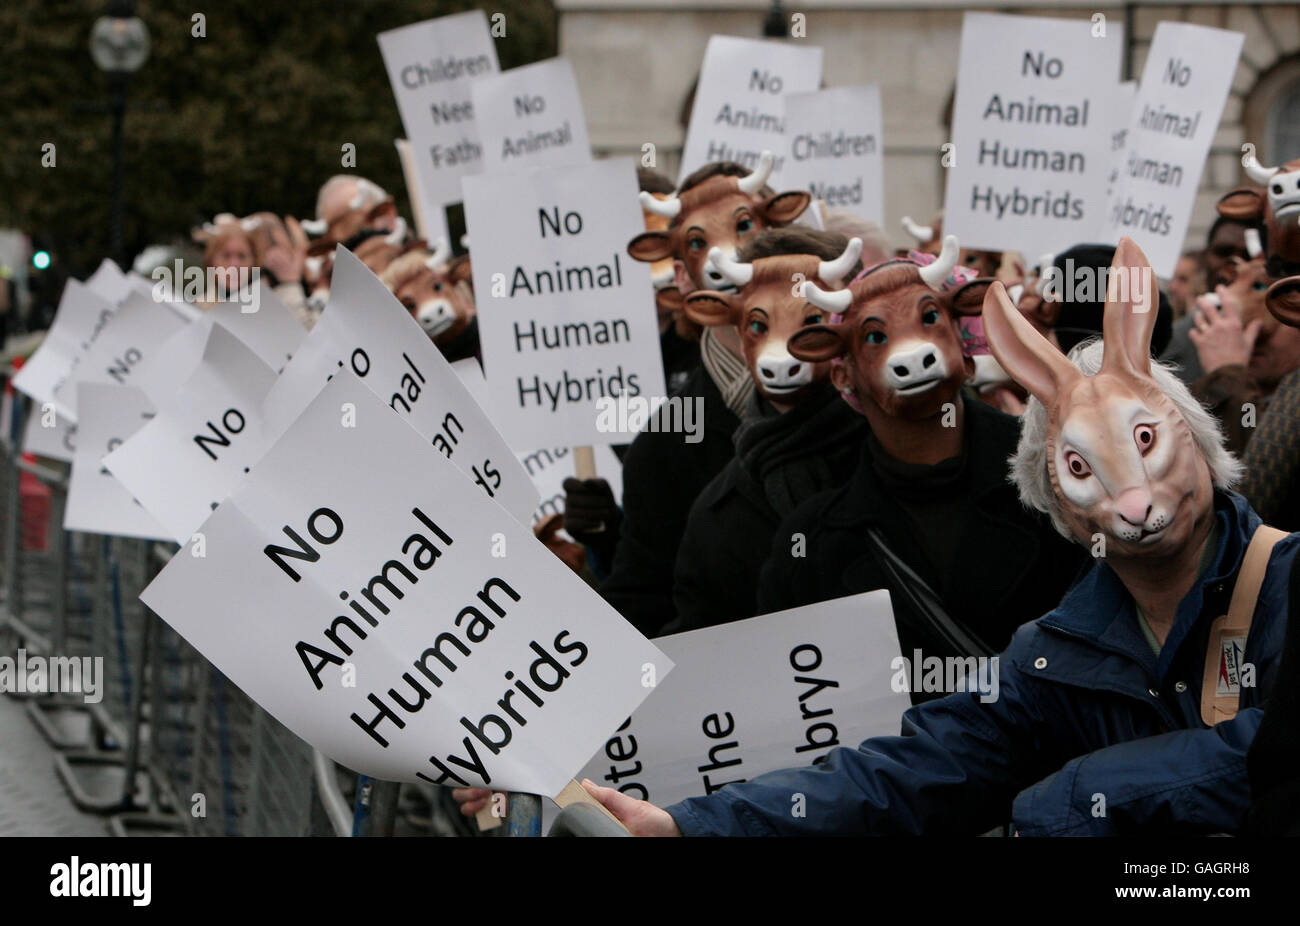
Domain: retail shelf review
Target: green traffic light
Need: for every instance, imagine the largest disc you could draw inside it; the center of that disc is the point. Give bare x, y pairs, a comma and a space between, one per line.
41, 260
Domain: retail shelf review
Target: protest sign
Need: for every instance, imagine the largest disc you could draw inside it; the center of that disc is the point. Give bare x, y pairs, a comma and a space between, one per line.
738, 113
547, 467
1027, 171
1185, 84
81, 316
1125, 96
431, 66
403, 626
366, 330
138, 329
109, 282
812, 678
203, 439
566, 320
834, 149
97, 502
47, 434
531, 116
272, 333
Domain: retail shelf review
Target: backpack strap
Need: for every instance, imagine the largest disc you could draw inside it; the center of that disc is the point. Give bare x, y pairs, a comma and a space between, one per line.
1226, 649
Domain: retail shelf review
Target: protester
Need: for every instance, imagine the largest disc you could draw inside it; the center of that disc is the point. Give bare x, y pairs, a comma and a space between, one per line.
1244, 351
720, 205
928, 507
280, 249
1102, 696
1225, 245
796, 437
1185, 285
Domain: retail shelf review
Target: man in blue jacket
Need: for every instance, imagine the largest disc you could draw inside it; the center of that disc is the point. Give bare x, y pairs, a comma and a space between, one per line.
1108, 719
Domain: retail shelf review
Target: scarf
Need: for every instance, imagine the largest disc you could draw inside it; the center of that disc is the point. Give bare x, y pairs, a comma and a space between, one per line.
728, 372
793, 456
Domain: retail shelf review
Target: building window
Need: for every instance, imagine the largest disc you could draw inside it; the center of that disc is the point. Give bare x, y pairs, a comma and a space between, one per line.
1282, 130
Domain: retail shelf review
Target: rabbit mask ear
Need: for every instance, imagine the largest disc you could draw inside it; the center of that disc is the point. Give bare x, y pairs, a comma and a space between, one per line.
1130, 314
1028, 357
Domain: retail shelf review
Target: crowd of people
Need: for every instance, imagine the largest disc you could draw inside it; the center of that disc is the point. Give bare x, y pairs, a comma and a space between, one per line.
940, 424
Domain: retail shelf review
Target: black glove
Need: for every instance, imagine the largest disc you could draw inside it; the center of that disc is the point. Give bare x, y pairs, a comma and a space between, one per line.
590, 510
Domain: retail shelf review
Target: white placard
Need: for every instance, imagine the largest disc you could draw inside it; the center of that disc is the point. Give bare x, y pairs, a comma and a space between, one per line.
97, 502
81, 316
531, 116
202, 441
431, 66
367, 330
272, 333
566, 318
138, 329
547, 467
47, 434
809, 679
1030, 131
834, 149
109, 282
738, 113
1125, 96
351, 588
1185, 84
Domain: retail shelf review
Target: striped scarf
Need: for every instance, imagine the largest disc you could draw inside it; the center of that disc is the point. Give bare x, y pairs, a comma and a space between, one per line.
728, 372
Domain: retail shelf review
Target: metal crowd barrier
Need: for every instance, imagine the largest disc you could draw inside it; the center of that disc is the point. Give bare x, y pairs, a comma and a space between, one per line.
171, 746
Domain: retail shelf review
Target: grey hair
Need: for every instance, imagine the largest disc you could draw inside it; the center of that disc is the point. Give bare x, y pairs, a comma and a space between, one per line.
1029, 463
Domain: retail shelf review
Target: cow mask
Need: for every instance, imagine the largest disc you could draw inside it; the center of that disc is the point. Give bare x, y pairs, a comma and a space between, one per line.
718, 213
767, 308
1278, 207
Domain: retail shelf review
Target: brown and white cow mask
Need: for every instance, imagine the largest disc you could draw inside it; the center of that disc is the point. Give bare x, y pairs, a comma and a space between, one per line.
1277, 206
719, 213
767, 307
1122, 458
435, 289
900, 340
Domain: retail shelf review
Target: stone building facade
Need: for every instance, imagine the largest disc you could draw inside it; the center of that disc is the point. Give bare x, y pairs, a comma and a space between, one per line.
637, 61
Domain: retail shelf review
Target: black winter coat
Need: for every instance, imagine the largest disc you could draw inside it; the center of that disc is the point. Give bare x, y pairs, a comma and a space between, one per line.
782, 460
662, 475
1002, 565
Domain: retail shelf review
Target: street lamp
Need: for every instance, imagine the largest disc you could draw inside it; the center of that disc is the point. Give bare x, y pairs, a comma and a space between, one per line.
119, 45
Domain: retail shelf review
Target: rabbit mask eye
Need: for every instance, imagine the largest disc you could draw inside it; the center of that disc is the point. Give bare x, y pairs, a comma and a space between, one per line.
1077, 465
1144, 435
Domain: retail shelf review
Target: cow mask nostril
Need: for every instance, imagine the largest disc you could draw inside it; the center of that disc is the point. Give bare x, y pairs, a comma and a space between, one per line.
901, 371
768, 374
794, 370
928, 361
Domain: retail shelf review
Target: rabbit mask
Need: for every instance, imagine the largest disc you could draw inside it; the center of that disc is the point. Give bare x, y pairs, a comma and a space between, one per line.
1121, 457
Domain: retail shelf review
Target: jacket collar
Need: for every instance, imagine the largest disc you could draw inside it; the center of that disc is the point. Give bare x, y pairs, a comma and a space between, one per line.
1099, 607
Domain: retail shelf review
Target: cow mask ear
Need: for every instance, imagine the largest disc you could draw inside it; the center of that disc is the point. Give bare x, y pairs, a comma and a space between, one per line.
650, 246
1242, 204
968, 299
1283, 300
818, 343
710, 308
461, 270
669, 299
784, 208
